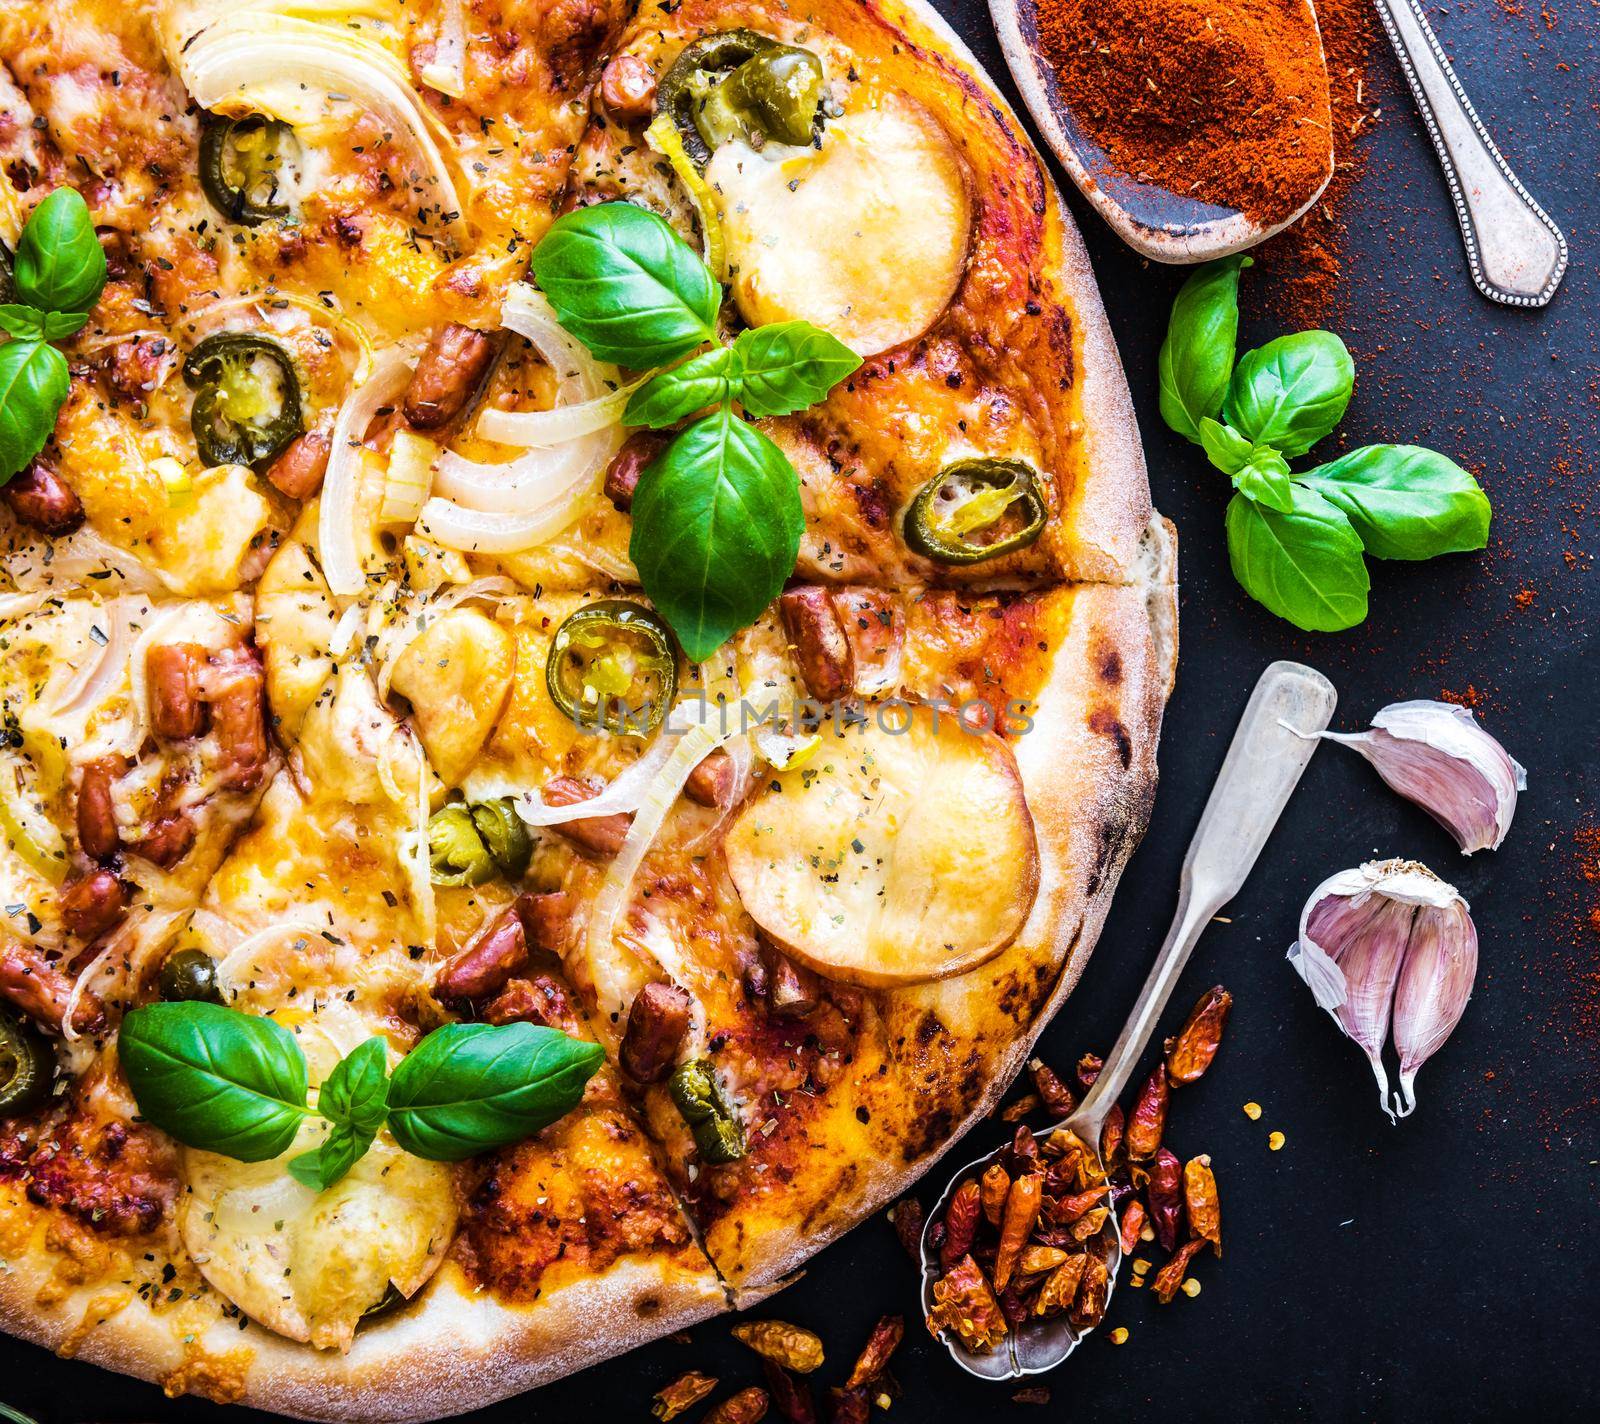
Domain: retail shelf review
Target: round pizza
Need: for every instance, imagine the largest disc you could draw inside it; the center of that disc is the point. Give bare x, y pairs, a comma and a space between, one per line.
583, 646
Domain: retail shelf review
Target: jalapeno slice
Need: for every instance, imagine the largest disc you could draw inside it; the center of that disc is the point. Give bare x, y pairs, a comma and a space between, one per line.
189, 976
975, 510
246, 401
504, 836
713, 1121
456, 852
243, 164
27, 1066
613, 666
740, 84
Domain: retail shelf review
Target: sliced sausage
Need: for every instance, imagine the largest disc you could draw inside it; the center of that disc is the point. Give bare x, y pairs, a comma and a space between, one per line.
628, 89
97, 813
483, 967
298, 471
93, 903
711, 782
793, 991
657, 1023
546, 920
536, 1000
41, 990
138, 366
447, 376
235, 688
622, 474
167, 841
603, 835
818, 639
40, 497
176, 711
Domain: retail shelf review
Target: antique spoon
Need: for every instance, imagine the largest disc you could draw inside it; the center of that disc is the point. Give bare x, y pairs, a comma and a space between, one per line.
1291, 704
1164, 226
1517, 254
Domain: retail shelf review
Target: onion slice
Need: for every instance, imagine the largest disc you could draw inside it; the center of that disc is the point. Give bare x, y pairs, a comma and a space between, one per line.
548, 428
341, 487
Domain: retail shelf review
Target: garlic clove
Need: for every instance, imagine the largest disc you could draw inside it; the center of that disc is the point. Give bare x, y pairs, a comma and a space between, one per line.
1355, 933
1436, 755
1436, 980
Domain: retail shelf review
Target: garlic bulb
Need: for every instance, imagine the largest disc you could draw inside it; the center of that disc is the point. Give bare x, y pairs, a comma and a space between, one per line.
1436, 754
1389, 944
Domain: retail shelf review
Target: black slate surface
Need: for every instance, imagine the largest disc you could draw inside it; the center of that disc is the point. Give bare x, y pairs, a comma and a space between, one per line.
1445, 1268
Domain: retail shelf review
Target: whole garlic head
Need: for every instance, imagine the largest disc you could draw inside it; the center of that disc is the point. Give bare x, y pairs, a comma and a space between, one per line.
1389, 945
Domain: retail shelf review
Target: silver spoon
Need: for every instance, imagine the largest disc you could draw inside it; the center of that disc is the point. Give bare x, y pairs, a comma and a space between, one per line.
1516, 252
1276, 737
1162, 225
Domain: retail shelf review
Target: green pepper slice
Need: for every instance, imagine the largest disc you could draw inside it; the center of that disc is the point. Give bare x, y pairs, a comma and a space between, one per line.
27, 1066
614, 666
740, 84
456, 852
242, 163
718, 1133
975, 510
247, 399
189, 976
504, 836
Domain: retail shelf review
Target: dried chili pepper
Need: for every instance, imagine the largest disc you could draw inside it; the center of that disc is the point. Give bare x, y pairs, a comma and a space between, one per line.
1013, 1305
849, 1406
1053, 1093
1093, 1292
1017, 1223
1023, 1153
1169, 1278
909, 1219
1088, 1070
1149, 1117
1133, 1220
1165, 1196
960, 1223
1016, 1111
682, 1394
1112, 1137
964, 1304
746, 1407
881, 1344
993, 1187
1060, 1287
1033, 1394
1203, 1204
1066, 1210
1191, 1049
791, 1397
1091, 1223
788, 1345
1036, 1260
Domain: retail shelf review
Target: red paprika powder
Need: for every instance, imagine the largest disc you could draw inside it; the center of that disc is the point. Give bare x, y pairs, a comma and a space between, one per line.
1225, 101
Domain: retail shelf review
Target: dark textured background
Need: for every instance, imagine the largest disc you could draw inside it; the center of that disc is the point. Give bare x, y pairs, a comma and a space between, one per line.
1445, 1268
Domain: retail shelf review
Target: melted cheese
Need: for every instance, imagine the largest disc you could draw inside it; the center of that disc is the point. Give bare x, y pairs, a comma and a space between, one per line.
866, 237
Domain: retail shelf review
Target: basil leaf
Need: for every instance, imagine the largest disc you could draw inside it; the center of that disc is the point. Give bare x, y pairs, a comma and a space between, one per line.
24, 322
706, 379
215, 1078
59, 325
788, 366
34, 381
323, 1166
1304, 565
468, 1088
1197, 355
1405, 502
716, 527
1257, 471
1292, 391
626, 285
60, 265
356, 1093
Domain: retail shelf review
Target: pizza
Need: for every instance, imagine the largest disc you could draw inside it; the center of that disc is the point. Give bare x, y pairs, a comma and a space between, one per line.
583, 646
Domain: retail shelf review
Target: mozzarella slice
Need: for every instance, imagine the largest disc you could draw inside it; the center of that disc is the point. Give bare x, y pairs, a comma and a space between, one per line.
456, 676
899, 851
306, 1264
865, 237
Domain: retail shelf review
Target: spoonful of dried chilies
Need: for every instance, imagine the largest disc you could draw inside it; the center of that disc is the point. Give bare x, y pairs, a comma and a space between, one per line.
1048, 1194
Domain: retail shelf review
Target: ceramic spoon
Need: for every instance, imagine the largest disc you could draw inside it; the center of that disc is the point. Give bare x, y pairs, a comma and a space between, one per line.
1164, 226
1276, 737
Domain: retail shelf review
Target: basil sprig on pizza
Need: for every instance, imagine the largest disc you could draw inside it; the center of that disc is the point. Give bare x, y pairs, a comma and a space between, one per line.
716, 516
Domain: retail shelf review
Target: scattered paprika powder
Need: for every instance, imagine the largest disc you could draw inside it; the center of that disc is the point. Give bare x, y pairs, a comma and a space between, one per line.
1225, 101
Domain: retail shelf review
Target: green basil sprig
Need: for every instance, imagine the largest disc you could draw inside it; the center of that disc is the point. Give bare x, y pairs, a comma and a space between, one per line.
717, 517
55, 277
1297, 539
236, 1084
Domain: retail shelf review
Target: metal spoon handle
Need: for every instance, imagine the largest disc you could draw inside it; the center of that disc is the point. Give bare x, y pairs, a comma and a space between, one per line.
1517, 254
1276, 737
